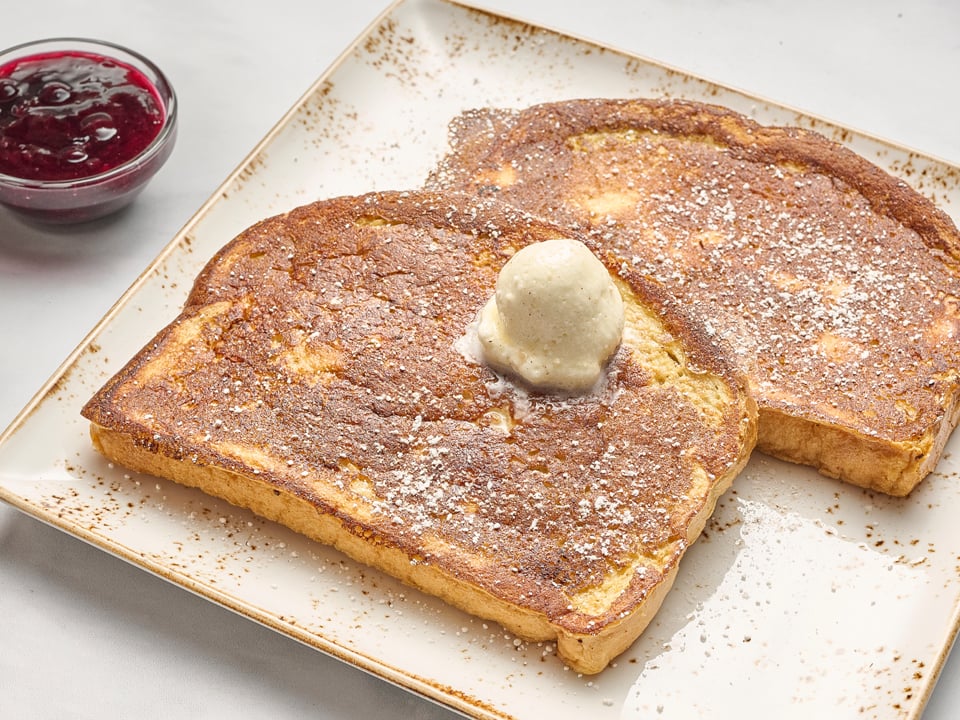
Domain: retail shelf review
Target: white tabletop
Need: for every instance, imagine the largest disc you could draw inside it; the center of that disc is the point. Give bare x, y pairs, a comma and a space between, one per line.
84, 635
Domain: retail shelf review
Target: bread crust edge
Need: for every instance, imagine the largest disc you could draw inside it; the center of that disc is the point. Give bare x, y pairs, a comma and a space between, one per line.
585, 652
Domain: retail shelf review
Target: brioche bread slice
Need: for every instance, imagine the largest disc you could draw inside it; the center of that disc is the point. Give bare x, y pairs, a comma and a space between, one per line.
316, 376
836, 284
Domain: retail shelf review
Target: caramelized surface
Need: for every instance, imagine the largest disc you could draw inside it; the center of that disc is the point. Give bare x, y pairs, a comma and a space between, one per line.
318, 353
836, 285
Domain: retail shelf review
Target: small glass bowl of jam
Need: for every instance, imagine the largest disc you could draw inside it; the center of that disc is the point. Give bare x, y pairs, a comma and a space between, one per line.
84, 125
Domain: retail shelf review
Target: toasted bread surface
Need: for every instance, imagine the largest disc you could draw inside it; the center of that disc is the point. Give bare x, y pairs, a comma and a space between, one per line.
317, 376
836, 284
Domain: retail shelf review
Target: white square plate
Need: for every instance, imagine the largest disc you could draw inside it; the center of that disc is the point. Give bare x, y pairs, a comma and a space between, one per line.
805, 597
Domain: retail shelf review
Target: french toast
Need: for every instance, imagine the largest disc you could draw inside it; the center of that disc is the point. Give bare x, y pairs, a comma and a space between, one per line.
317, 376
835, 284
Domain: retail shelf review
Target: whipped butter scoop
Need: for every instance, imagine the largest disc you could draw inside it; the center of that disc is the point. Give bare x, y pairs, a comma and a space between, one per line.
555, 319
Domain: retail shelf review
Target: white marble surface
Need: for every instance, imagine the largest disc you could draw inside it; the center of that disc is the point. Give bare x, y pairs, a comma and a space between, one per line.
84, 635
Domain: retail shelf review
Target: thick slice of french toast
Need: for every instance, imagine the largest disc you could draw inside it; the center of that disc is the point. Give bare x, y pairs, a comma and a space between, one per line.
836, 284
316, 376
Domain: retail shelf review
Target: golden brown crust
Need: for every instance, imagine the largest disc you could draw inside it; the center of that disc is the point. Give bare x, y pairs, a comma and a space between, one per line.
314, 376
835, 283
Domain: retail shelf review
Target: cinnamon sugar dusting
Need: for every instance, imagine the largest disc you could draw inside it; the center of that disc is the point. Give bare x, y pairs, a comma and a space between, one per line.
833, 283
335, 355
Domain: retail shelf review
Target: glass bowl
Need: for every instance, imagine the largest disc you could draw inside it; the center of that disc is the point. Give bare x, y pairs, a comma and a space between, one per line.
94, 195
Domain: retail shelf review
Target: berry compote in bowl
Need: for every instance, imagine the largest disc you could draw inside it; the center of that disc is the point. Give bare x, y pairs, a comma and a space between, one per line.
84, 125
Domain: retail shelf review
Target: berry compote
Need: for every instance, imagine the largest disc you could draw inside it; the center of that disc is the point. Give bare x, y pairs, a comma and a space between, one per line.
66, 115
